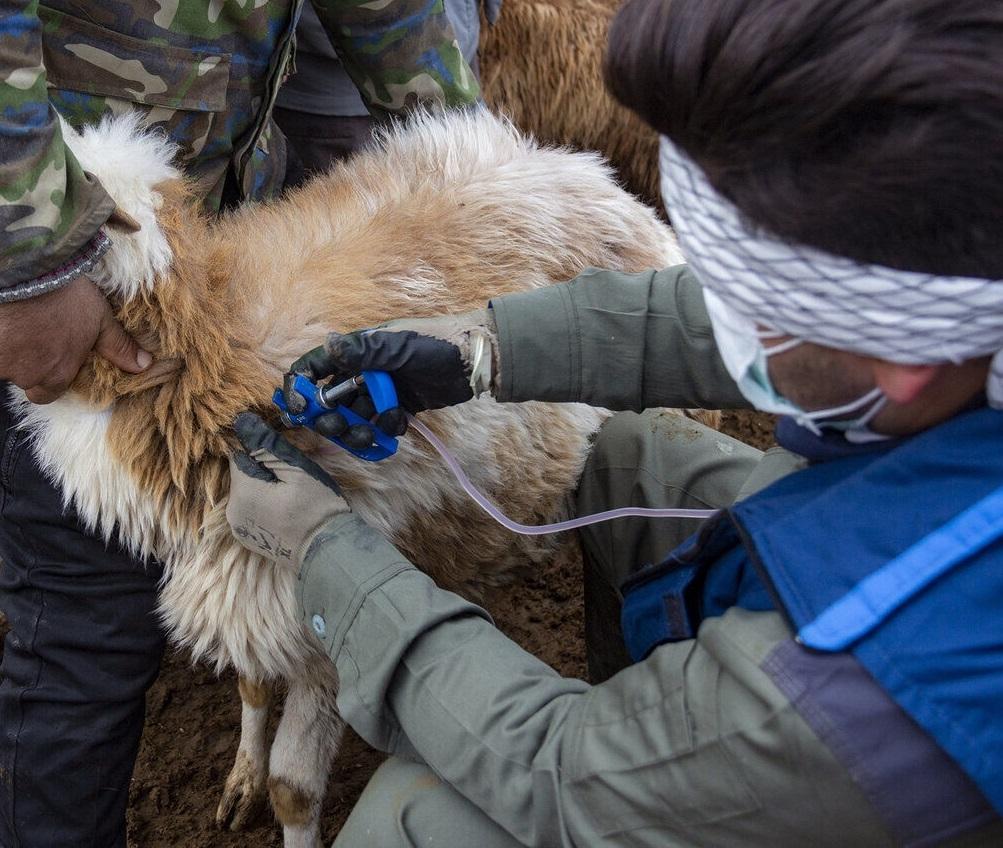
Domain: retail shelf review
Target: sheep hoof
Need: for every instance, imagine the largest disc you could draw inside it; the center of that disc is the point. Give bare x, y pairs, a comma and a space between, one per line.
243, 794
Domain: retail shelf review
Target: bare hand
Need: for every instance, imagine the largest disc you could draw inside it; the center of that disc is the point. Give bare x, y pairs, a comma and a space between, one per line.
44, 341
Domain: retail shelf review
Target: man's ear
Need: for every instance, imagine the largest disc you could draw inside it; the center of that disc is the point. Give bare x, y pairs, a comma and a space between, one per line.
903, 383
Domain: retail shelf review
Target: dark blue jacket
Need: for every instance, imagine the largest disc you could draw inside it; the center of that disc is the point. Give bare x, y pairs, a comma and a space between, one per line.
895, 556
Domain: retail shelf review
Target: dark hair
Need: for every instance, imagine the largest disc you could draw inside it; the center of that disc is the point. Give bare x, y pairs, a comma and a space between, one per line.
868, 128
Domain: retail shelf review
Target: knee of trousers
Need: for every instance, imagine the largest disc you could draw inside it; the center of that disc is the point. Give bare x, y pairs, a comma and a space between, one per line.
643, 454
619, 442
406, 804
644, 460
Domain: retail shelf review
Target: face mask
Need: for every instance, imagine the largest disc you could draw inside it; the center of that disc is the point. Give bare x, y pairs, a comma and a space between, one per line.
741, 347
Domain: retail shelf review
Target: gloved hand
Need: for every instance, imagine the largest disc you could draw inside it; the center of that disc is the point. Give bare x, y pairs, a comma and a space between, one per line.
434, 362
279, 498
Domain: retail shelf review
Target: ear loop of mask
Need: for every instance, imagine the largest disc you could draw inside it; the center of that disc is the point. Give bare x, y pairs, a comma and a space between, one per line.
813, 420
830, 417
783, 347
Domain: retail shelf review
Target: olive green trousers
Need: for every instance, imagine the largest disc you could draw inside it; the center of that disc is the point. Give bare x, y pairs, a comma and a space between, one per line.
655, 459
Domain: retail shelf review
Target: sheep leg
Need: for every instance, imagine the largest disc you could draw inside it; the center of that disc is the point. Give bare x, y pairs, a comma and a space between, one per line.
245, 786
305, 745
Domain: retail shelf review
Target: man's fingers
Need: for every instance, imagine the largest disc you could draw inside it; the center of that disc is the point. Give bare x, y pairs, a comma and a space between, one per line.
378, 350
315, 364
295, 402
258, 439
358, 436
253, 432
119, 348
345, 351
330, 425
244, 463
53, 385
393, 422
363, 406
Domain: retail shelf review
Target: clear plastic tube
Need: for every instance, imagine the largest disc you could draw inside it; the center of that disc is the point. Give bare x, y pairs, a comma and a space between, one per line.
543, 529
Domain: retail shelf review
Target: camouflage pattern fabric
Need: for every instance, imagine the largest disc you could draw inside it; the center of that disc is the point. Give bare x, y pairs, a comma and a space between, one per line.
206, 72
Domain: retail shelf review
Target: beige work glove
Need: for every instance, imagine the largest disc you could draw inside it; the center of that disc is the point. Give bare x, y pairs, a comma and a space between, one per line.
279, 497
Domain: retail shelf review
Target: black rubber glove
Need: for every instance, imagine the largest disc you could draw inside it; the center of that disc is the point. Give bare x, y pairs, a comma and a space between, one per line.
434, 362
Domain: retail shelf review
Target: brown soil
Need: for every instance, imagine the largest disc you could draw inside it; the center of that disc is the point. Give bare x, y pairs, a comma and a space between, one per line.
193, 719
753, 428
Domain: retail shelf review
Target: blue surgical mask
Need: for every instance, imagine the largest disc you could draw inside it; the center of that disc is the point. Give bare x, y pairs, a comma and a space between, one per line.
745, 356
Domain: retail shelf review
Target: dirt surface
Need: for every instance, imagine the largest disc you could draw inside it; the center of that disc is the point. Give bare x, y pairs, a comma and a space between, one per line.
753, 428
193, 719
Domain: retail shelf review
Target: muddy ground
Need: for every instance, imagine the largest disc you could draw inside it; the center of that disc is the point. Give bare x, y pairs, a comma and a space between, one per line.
193, 718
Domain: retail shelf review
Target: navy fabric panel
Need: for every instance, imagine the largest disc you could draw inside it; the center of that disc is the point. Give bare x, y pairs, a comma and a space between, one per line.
731, 579
817, 534
923, 796
665, 602
906, 487
831, 444
877, 596
655, 612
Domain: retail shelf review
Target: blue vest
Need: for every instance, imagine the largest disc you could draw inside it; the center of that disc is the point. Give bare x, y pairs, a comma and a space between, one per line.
895, 556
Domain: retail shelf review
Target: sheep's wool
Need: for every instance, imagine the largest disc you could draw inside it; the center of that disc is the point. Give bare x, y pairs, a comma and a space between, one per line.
900, 316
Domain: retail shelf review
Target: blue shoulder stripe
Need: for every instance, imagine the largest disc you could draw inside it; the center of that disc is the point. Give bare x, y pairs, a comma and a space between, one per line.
878, 595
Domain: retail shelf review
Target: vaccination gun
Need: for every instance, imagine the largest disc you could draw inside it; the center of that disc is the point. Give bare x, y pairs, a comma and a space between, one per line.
320, 400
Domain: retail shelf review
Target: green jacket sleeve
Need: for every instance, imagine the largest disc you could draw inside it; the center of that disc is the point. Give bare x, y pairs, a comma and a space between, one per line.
693, 746
50, 209
399, 53
622, 341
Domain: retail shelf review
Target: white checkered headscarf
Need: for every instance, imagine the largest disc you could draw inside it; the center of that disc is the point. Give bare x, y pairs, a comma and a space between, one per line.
899, 316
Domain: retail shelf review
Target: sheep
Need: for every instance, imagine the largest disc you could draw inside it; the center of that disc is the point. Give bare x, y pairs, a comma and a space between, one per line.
541, 64
441, 214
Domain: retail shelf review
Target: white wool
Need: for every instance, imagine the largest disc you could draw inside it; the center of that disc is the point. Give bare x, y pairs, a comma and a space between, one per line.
129, 162
455, 151
69, 439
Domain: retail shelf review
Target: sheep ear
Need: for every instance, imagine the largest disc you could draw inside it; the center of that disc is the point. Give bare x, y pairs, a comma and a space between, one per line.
122, 220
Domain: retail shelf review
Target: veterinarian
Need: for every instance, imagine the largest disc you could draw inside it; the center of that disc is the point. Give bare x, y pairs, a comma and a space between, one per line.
820, 664
85, 642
